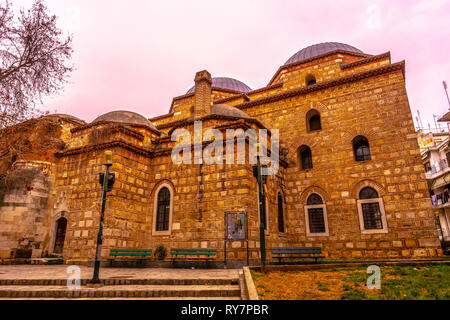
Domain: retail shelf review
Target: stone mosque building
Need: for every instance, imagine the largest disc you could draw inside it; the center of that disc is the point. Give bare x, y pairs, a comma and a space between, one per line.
350, 179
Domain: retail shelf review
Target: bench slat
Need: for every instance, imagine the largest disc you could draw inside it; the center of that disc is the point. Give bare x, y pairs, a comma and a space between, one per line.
194, 250
176, 252
131, 250
144, 252
297, 248
300, 257
193, 254
296, 253
130, 254
293, 250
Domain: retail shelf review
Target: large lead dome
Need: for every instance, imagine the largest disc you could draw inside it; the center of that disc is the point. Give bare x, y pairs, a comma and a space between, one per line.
226, 83
318, 49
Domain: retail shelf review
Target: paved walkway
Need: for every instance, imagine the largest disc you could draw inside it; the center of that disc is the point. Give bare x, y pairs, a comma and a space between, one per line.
60, 272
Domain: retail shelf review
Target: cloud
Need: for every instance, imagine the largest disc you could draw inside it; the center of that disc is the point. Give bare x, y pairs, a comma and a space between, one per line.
73, 20
373, 17
139, 54
429, 5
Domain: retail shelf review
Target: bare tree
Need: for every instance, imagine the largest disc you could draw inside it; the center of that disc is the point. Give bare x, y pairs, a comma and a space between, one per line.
34, 58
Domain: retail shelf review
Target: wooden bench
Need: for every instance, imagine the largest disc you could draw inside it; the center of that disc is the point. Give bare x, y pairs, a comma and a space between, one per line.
142, 253
194, 254
296, 253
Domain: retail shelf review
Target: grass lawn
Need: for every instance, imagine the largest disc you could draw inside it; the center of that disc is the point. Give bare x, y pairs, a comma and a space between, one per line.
397, 282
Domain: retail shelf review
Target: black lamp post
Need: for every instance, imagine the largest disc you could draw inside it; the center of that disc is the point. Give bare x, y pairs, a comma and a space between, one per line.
262, 208
106, 179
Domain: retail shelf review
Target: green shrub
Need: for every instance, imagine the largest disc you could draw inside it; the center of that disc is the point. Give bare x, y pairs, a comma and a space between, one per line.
160, 252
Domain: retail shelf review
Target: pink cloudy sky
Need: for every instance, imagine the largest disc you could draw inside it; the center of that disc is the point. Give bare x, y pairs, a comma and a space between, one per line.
137, 55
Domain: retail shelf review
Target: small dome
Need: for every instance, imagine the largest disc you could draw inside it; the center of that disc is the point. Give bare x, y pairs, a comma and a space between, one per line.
226, 83
228, 111
65, 116
318, 49
126, 117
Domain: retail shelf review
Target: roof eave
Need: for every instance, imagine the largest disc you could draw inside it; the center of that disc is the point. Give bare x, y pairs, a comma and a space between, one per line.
323, 85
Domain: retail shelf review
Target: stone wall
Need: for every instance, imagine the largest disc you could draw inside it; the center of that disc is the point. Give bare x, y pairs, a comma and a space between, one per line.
378, 109
352, 100
200, 196
24, 202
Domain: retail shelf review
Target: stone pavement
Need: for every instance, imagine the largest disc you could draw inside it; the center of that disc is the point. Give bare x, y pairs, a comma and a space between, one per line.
122, 291
50, 282
60, 272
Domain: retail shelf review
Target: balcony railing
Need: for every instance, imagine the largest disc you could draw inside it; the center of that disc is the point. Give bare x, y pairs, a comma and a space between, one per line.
440, 199
434, 130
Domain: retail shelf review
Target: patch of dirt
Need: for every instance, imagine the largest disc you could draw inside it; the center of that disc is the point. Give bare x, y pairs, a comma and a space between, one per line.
306, 285
300, 286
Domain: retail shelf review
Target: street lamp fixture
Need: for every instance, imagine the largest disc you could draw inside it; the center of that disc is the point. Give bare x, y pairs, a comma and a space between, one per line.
106, 180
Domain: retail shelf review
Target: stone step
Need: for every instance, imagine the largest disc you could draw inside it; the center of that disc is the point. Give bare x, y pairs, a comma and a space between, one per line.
46, 261
122, 281
120, 291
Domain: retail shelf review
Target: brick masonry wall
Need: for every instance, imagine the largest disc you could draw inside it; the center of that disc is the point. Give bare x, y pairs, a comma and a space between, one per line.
24, 201
375, 107
324, 69
378, 109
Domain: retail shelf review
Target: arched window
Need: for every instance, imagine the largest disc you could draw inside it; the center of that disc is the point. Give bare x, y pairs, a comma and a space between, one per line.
280, 213
313, 121
305, 157
163, 209
361, 148
314, 199
371, 211
368, 193
310, 80
316, 216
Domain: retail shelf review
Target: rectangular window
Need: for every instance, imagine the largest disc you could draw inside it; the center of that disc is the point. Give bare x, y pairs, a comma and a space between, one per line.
372, 216
363, 153
162, 223
307, 161
316, 220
